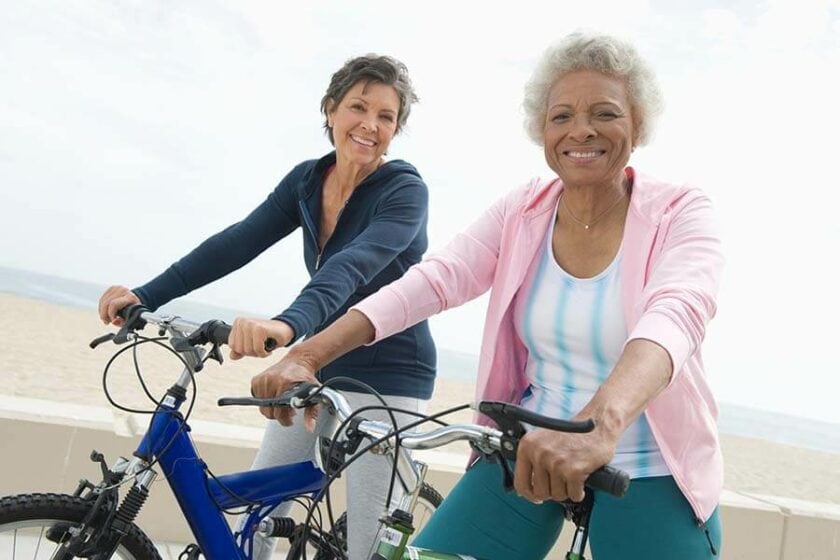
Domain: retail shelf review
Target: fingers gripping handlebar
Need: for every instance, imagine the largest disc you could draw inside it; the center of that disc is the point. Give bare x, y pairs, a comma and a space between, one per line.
218, 333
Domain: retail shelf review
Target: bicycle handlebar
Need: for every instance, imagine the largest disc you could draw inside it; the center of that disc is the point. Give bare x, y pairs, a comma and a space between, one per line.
485, 438
214, 332
501, 443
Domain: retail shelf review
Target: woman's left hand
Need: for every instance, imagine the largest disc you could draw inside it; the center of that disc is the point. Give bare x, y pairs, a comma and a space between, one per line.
554, 465
278, 379
248, 336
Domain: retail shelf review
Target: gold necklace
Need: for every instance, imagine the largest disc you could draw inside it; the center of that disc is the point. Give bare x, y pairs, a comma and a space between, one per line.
596, 218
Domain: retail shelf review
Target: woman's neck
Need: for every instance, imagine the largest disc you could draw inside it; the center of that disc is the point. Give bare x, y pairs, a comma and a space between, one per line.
347, 175
588, 202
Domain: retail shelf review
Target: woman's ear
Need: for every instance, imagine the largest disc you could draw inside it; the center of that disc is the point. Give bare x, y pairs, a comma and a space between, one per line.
330, 110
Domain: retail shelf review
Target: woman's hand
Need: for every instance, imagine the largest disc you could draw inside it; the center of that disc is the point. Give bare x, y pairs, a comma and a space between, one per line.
112, 301
248, 336
301, 362
554, 465
278, 379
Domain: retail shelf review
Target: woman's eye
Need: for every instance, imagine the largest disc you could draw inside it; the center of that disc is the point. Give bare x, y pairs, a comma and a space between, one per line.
388, 118
606, 115
357, 107
562, 117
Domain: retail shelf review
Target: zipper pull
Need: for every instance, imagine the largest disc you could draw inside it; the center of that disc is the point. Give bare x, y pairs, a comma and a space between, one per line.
318, 260
702, 525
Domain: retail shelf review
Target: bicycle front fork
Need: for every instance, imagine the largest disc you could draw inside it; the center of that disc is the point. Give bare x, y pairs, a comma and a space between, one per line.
579, 514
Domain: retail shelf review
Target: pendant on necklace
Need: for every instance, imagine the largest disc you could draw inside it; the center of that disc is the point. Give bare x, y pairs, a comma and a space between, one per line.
585, 226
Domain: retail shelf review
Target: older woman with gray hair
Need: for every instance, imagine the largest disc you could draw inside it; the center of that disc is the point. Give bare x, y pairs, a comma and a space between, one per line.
364, 224
602, 282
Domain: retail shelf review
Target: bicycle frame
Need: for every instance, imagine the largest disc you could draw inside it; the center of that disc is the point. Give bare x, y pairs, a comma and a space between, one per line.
202, 500
202, 497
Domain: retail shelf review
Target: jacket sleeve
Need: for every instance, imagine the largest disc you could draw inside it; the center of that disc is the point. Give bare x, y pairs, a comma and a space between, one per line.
460, 272
679, 297
395, 224
228, 250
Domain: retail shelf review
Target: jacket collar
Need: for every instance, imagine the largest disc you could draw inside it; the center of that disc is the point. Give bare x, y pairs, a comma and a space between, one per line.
648, 200
316, 177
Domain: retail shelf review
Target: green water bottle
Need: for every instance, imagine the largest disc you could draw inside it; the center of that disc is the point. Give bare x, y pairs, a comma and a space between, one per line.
397, 528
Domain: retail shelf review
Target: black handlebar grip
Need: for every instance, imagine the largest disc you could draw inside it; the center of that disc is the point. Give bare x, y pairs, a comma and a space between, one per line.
126, 311
218, 332
610, 480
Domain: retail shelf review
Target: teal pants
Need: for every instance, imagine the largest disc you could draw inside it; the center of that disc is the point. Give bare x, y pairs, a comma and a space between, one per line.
653, 521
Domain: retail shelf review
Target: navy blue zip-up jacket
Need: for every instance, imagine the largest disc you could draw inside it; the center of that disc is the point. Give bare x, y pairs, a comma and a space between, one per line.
380, 233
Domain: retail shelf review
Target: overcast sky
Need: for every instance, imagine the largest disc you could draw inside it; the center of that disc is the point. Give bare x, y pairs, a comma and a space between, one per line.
130, 131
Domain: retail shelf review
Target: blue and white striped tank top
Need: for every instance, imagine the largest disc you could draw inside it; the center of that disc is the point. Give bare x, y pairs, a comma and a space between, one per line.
574, 330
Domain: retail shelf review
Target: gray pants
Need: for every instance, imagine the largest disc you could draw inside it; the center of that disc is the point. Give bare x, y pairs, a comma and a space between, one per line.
368, 478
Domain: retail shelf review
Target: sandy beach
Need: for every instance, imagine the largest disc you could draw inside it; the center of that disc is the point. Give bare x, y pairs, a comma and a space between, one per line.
45, 355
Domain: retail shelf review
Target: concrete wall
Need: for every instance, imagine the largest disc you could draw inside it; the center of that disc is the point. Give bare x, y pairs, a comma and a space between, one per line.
46, 447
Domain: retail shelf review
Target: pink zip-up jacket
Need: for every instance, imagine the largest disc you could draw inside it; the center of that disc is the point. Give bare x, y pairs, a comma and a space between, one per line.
670, 271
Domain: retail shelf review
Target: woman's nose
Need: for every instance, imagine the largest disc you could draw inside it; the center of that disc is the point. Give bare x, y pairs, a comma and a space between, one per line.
582, 129
369, 125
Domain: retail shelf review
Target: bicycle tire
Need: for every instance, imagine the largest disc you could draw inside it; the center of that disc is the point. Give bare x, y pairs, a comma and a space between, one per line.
24, 512
428, 498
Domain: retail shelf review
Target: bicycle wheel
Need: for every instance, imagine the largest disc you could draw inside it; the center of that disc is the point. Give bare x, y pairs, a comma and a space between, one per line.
26, 519
428, 501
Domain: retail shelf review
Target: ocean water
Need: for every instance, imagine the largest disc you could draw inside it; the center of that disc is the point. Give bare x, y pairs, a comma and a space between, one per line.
734, 419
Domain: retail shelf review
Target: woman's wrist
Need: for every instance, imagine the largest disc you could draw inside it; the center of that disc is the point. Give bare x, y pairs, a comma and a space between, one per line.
349, 332
609, 419
306, 355
285, 332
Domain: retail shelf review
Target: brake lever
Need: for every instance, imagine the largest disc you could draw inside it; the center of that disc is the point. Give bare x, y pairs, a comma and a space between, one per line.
512, 430
100, 339
296, 397
507, 473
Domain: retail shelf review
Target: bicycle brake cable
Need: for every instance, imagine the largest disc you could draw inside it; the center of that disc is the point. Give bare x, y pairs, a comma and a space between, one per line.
144, 340
331, 477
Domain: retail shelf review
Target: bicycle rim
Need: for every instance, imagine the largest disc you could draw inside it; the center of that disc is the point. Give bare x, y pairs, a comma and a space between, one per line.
27, 540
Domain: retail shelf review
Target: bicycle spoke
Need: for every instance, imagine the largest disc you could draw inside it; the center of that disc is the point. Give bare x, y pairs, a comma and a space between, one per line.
38, 545
59, 548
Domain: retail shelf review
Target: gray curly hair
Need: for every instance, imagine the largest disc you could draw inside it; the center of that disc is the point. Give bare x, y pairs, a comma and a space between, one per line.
370, 68
602, 53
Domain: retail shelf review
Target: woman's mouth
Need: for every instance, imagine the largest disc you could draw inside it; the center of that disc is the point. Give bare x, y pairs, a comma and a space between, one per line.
362, 141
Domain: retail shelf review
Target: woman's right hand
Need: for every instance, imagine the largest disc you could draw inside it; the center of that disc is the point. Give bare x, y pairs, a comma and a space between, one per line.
248, 336
112, 301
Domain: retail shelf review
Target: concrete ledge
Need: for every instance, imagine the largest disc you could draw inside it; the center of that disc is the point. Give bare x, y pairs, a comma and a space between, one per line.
46, 448
812, 530
752, 529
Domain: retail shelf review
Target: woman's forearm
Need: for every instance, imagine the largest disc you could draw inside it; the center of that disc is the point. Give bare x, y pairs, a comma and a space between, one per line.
350, 331
642, 372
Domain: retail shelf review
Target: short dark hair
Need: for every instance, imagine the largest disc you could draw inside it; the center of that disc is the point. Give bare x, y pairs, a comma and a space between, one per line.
370, 68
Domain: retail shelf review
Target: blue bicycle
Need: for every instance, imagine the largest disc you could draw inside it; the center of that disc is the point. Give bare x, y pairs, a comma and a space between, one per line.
96, 522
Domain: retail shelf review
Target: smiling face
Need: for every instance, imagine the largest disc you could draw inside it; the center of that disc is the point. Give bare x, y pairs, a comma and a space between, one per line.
589, 132
364, 122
